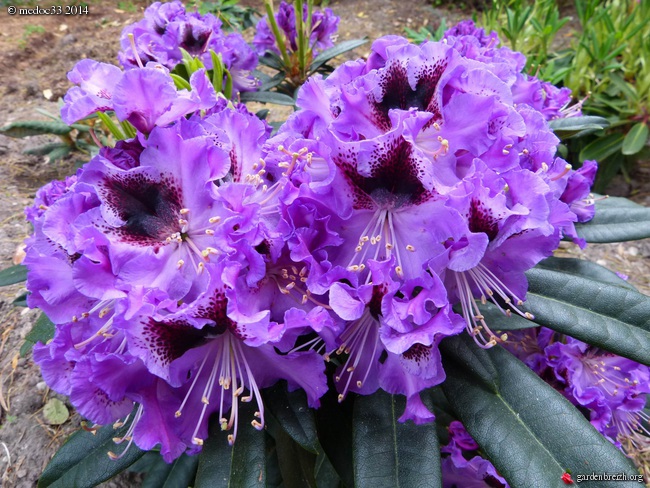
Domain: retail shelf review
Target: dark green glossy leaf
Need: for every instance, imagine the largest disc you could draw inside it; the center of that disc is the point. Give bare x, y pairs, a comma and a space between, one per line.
273, 474
59, 152
297, 465
326, 476
611, 317
388, 453
269, 83
293, 414
340, 48
179, 474
584, 269
242, 465
616, 220
268, 97
529, 431
42, 331
602, 147
83, 460
635, 139
34, 128
272, 60
572, 126
47, 148
334, 422
20, 301
12, 275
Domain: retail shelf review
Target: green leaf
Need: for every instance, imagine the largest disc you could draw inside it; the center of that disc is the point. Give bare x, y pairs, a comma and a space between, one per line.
46, 148
340, 48
326, 475
569, 127
21, 301
180, 82
111, 126
35, 128
529, 431
59, 152
268, 97
55, 412
616, 220
243, 464
293, 414
271, 82
635, 139
611, 317
602, 148
272, 60
297, 465
83, 460
584, 269
42, 331
13, 274
388, 453
334, 422
179, 474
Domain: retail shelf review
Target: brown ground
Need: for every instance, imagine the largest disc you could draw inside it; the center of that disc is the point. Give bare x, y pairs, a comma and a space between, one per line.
35, 54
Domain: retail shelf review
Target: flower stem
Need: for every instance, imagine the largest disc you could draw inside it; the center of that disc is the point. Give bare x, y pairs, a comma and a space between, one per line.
270, 13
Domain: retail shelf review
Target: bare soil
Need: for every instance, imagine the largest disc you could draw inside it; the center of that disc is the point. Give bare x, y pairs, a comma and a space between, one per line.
36, 52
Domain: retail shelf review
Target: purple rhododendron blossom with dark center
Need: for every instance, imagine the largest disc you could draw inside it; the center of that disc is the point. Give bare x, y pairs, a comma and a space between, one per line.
392, 181
150, 209
170, 339
201, 261
397, 92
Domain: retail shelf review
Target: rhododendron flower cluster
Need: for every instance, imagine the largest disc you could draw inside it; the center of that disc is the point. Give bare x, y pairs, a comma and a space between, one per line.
168, 29
192, 265
324, 25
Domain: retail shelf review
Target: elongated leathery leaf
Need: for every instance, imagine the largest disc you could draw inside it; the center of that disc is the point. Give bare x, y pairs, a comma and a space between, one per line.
572, 126
13, 274
35, 128
635, 139
83, 460
334, 423
293, 414
297, 466
530, 432
388, 453
602, 148
42, 331
340, 48
268, 97
608, 316
178, 474
242, 465
616, 220
585, 269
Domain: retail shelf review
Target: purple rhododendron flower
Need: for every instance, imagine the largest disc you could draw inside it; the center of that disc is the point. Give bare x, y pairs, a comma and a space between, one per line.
612, 389
191, 266
474, 43
324, 25
458, 471
145, 97
431, 163
167, 29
